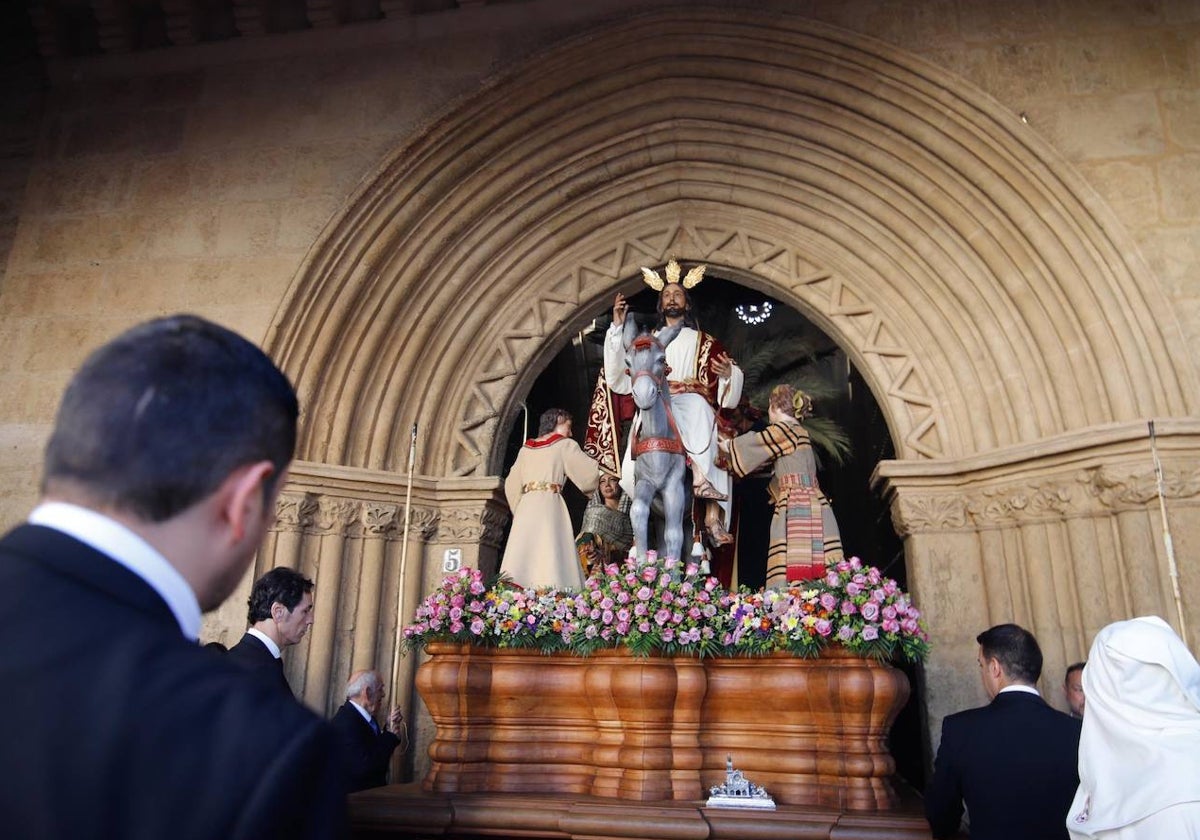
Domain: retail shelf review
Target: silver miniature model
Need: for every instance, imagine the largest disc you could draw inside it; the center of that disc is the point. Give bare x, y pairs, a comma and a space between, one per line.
738, 792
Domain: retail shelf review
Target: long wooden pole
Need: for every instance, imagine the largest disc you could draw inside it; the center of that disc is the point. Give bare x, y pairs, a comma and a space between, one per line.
400, 583
1172, 567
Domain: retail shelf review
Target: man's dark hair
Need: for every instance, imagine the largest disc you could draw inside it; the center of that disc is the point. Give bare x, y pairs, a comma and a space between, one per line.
157, 418
689, 317
1072, 668
287, 586
1016, 650
550, 418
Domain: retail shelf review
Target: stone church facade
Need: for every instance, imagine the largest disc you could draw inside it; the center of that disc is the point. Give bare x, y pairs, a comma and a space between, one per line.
993, 208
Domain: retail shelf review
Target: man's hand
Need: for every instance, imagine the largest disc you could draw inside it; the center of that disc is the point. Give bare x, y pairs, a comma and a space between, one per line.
620, 307
395, 719
723, 365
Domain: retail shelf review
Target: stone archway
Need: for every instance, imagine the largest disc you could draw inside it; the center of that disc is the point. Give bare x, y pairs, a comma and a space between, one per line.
1009, 331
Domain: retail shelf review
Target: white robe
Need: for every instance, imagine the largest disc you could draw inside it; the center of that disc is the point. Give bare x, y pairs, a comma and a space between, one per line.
693, 414
1139, 754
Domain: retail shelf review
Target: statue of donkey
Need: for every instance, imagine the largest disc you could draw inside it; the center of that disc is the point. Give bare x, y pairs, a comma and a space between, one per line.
657, 448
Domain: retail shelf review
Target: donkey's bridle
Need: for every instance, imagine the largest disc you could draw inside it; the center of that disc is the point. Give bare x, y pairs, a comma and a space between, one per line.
674, 444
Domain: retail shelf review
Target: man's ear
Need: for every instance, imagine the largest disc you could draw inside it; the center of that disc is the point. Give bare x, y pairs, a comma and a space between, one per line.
243, 500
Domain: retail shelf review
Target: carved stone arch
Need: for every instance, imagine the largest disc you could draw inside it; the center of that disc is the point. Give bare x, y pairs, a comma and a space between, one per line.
988, 294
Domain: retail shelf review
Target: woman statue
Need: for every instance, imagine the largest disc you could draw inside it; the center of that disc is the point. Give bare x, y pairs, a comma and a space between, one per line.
804, 531
607, 533
540, 552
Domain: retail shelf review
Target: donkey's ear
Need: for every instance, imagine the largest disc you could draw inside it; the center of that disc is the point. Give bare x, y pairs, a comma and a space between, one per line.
667, 335
631, 331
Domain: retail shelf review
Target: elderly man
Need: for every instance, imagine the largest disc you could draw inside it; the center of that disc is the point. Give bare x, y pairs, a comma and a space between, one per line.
281, 611
702, 379
366, 747
1012, 762
160, 480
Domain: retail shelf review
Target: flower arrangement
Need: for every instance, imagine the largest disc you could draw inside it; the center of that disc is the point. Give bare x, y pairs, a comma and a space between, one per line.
670, 608
853, 605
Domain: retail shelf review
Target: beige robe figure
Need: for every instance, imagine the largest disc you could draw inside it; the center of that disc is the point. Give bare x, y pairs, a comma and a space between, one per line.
541, 546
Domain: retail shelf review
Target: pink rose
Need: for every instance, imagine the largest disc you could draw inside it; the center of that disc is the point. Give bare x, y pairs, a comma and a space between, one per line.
870, 611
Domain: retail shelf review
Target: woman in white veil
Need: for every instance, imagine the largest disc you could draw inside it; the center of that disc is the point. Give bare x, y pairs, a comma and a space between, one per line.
1139, 754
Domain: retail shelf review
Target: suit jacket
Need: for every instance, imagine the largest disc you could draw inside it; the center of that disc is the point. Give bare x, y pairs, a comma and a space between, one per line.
1013, 763
116, 726
252, 655
365, 754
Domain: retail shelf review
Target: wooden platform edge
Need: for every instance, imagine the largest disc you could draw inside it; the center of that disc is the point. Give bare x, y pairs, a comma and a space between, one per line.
407, 811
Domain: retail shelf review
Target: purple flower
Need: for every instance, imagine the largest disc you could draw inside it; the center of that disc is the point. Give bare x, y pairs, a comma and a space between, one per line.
477, 627
870, 611
853, 589
870, 632
823, 627
845, 633
848, 608
829, 601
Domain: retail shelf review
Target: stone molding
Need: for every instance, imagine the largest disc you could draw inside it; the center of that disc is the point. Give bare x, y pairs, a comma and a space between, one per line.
354, 504
1107, 472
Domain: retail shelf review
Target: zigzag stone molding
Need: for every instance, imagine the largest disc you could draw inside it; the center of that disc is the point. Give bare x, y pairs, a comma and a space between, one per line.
860, 324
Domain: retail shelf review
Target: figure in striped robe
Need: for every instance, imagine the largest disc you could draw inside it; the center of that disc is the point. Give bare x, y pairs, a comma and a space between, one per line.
804, 531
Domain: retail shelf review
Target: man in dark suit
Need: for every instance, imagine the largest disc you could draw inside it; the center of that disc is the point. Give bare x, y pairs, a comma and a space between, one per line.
366, 747
1012, 763
159, 482
281, 611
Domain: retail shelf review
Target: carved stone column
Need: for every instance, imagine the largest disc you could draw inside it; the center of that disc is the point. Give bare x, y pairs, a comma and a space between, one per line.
378, 523
329, 527
1061, 537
